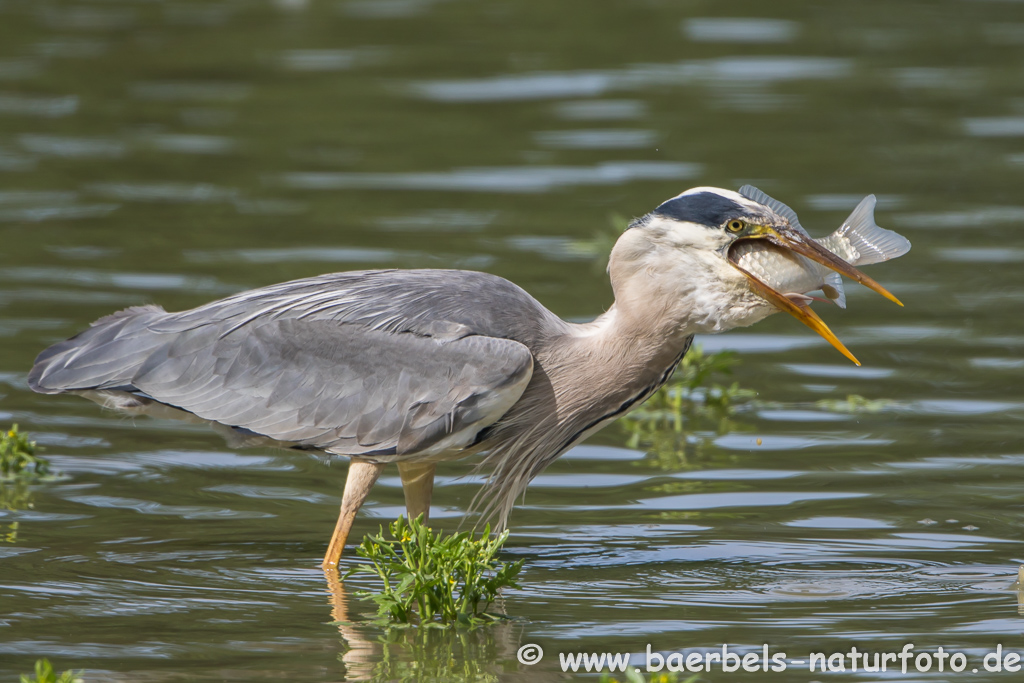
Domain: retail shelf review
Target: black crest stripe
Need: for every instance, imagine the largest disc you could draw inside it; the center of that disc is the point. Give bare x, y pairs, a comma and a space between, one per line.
705, 208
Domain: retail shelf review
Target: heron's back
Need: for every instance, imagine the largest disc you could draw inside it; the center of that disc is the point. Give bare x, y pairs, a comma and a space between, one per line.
375, 364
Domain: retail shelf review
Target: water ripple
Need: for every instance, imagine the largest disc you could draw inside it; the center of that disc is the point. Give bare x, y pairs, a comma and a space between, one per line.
596, 139
148, 507
191, 91
523, 179
131, 281
740, 30
601, 110
73, 147
163, 192
45, 107
760, 71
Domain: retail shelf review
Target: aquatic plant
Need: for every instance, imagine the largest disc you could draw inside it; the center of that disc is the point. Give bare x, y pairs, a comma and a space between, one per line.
433, 578
45, 674
19, 467
18, 459
689, 396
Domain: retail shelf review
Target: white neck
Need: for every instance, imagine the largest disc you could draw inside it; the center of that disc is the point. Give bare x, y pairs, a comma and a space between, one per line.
669, 288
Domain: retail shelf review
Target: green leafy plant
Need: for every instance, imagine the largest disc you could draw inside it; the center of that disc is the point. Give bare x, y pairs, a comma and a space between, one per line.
18, 459
683, 416
45, 674
688, 396
19, 467
431, 578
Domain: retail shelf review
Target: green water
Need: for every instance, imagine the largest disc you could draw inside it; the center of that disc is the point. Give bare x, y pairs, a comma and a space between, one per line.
174, 152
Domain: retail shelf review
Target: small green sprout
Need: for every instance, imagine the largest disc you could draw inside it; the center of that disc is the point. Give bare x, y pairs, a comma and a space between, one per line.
46, 674
18, 459
433, 578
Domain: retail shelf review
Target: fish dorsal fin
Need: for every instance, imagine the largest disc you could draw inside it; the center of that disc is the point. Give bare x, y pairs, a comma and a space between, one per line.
751, 192
874, 244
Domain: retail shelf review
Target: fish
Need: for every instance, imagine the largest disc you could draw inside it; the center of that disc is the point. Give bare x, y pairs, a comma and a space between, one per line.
859, 241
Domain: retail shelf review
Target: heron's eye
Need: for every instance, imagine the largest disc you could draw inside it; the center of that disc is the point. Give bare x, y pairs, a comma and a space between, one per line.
734, 226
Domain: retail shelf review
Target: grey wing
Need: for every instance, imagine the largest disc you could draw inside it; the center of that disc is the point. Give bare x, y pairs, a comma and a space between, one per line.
342, 387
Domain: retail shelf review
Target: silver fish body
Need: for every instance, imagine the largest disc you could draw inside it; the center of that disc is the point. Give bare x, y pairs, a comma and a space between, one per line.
858, 241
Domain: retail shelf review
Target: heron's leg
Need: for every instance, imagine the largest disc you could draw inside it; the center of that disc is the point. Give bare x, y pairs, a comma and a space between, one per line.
418, 486
361, 478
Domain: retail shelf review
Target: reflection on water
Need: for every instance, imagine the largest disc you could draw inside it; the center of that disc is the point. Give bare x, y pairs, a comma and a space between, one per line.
478, 655
173, 152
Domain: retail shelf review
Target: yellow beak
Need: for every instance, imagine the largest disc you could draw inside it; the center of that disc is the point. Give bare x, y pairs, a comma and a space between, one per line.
801, 312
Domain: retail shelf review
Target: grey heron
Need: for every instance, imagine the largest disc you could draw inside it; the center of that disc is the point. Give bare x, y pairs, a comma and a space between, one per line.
414, 367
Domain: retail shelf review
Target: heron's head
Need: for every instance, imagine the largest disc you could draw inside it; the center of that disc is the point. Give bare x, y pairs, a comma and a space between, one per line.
684, 245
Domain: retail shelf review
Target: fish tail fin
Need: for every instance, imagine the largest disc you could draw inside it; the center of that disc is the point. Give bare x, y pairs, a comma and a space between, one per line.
874, 244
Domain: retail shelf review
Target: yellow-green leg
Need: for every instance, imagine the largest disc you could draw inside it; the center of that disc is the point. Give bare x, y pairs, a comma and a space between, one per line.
418, 487
361, 478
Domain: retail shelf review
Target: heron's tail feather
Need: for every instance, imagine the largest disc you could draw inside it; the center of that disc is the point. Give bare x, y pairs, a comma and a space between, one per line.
513, 464
496, 498
105, 356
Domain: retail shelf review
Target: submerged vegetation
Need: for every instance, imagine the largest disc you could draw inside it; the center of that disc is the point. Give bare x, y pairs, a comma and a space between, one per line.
699, 403
691, 395
20, 466
44, 673
436, 579
694, 399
